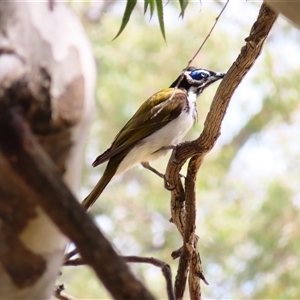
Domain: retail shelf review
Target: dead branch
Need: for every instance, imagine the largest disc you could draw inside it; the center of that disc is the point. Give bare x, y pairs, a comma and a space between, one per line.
183, 207
165, 268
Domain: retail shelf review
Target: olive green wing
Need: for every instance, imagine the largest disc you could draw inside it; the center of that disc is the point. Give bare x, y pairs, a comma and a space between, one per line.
153, 114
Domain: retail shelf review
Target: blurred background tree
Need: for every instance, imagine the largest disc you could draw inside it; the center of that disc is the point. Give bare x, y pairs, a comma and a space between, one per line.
248, 188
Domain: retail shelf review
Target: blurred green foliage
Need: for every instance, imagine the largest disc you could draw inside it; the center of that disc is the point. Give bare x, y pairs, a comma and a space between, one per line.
248, 188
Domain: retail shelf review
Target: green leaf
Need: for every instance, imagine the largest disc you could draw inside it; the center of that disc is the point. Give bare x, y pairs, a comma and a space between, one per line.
160, 14
183, 5
128, 10
152, 5
145, 6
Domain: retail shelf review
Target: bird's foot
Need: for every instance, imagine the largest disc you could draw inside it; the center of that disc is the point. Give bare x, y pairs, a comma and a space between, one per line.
147, 166
167, 185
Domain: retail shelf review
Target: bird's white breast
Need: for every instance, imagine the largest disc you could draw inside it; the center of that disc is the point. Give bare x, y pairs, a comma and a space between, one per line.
170, 135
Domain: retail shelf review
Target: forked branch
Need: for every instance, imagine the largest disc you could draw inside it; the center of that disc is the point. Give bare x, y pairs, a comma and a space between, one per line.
183, 207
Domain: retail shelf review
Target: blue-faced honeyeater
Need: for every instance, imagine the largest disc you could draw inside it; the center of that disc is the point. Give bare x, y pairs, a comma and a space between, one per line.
158, 125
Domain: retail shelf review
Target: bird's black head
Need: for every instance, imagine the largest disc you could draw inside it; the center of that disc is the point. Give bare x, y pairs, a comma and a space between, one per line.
196, 79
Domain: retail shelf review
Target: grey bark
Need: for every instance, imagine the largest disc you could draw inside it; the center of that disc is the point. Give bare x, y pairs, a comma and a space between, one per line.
46, 57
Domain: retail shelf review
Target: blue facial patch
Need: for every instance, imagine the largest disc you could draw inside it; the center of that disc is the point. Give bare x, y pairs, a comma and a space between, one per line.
199, 74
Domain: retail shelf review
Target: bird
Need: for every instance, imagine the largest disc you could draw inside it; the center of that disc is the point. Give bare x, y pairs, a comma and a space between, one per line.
158, 126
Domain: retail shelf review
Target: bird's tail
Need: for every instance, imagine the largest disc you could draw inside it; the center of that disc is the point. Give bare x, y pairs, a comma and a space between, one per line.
98, 189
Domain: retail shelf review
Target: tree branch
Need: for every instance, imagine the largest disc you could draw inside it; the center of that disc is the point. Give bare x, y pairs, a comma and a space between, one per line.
183, 207
32, 166
60, 294
165, 268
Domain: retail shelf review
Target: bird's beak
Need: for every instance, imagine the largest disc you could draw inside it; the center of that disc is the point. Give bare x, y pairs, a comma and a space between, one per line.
215, 77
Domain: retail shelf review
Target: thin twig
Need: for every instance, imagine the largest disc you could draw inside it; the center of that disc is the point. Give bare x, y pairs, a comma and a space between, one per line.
208, 35
165, 268
201, 46
60, 294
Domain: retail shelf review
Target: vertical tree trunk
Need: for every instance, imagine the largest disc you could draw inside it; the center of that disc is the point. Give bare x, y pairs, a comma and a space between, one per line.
47, 71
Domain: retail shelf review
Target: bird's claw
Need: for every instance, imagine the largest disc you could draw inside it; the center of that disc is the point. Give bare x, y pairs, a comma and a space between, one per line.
167, 186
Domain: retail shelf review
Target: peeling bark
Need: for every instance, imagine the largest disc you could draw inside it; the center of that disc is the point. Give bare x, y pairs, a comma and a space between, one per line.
47, 70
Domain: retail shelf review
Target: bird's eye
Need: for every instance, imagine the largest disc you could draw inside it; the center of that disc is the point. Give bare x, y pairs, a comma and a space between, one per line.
199, 74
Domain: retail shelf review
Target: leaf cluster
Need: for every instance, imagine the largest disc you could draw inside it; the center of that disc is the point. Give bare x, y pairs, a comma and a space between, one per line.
152, 5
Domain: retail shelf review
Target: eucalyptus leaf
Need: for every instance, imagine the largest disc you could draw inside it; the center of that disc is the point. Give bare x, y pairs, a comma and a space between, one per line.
146, 3
183, 5
152, 6
160, 14
128, 10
